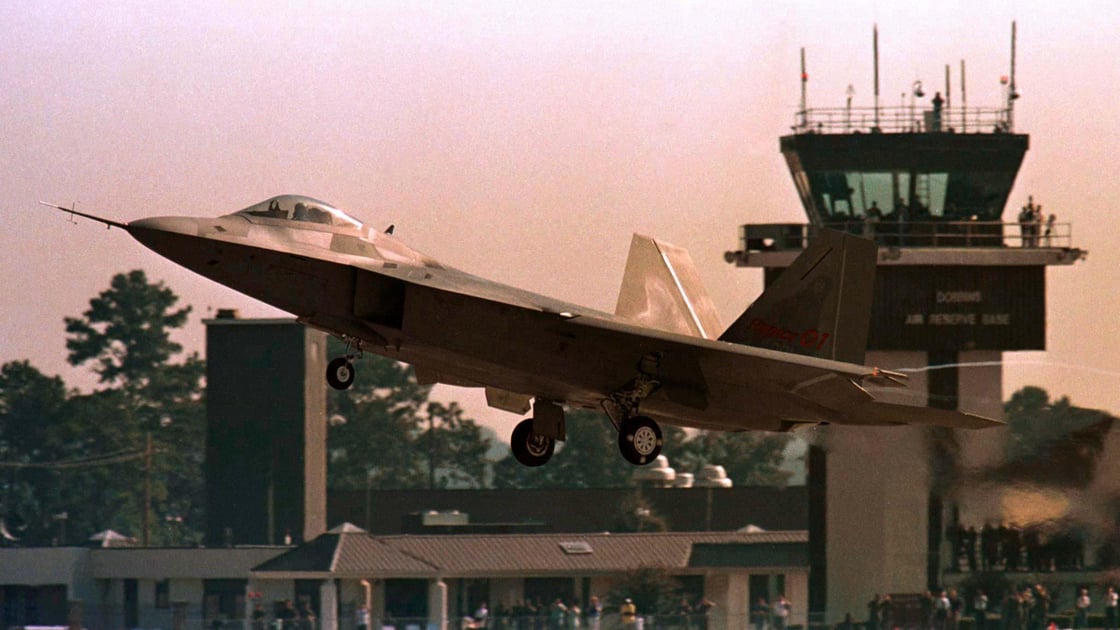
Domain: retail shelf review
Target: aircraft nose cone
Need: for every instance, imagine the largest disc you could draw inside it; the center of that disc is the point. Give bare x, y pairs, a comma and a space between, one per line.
158, 233
174, 225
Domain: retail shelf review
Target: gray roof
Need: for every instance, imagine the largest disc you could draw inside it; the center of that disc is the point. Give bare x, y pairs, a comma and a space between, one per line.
160, 563
362, 555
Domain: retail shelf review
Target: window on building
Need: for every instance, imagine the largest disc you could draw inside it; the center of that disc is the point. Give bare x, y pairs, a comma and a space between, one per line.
223, 599
548, 589
406, 599
163, 594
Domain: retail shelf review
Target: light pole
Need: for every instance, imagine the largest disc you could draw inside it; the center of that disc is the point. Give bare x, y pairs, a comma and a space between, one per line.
61, 517
369, 489
175, 524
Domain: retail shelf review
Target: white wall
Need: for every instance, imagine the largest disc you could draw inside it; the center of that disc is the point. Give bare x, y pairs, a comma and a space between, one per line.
878, 498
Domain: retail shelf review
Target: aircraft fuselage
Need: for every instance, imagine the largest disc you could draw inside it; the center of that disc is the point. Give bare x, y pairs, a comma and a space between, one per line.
360, 283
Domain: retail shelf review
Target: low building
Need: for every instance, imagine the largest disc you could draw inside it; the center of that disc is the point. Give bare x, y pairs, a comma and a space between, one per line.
125, 587
405, 581
433, 581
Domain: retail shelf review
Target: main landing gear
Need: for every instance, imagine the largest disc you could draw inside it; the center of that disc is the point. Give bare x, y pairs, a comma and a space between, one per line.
639, 441
639, 437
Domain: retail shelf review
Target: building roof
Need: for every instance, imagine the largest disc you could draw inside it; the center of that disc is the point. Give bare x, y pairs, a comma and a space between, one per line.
359, 554
159, 563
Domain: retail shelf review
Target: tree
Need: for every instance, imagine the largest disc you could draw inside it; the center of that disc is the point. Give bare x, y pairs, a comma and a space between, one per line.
1052, 441
634, 513
31, 403
125, 334
652, 589
125, 331
387, 434
456, 448
751, 458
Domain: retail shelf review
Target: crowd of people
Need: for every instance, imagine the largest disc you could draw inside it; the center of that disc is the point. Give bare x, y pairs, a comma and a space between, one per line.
534, 614
1007, 547
1029, 607
913, 224
285, 616
1034, 228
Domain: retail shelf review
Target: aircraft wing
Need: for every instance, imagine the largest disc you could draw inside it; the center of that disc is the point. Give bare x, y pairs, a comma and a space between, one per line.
797, 388
879, 413
702, 375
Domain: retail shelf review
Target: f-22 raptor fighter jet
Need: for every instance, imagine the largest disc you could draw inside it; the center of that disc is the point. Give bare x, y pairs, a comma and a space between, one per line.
793, 358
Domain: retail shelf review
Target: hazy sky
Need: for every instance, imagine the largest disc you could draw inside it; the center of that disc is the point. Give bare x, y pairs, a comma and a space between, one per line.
524, 141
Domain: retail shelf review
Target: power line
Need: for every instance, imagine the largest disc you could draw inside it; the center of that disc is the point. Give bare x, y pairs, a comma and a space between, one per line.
107, 459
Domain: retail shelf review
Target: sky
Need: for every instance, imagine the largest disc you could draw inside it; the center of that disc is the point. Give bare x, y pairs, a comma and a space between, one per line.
523, 141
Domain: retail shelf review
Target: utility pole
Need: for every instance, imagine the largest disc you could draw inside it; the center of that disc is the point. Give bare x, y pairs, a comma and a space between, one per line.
431, 451
147, 487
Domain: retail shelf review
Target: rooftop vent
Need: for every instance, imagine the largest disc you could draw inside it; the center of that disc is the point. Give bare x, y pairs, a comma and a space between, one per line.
576, 548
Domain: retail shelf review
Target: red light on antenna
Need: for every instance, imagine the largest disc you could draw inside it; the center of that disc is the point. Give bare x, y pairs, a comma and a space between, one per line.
804, 76
1003, 80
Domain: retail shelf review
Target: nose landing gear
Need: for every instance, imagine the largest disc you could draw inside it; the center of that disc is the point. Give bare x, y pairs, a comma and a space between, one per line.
530, 449
340, 371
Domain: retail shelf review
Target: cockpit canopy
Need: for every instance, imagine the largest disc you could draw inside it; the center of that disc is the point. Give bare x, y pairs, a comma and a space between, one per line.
300, 208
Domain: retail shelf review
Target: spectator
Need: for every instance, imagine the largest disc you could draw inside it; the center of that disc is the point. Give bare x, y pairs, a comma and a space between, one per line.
1081, 619
941, 611
956, 605
886, 613
759, 613
557, 615
594, 613
628, 613
782, 609
1111, 600
287, 615
873, 613
574, 616
482, 616
258, 617
980, 610
701, 609
684, 611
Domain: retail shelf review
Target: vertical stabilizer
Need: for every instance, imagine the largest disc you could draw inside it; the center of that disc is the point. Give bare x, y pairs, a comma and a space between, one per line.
820, 306
661, 289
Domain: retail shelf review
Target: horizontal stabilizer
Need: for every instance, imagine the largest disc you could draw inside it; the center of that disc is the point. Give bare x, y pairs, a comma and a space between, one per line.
661, 289
882, 413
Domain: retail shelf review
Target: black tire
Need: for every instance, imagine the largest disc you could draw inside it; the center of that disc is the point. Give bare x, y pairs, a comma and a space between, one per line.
639, 440
340, 373
529, 448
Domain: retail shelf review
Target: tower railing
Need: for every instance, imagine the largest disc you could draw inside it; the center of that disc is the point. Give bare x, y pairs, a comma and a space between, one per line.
934, 234
902, 119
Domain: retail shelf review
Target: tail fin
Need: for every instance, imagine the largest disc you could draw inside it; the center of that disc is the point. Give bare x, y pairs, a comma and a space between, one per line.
661, 289
820, 306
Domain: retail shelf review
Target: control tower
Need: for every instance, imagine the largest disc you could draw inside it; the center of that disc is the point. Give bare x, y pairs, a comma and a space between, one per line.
961, 280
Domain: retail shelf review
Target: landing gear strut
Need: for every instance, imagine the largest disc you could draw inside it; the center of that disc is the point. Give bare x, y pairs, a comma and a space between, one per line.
639, 437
